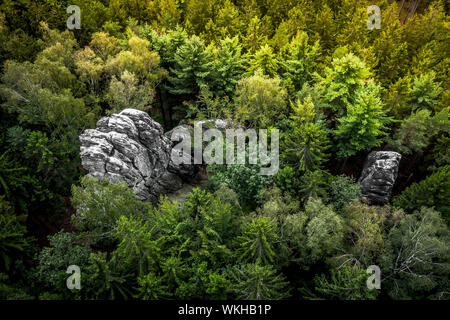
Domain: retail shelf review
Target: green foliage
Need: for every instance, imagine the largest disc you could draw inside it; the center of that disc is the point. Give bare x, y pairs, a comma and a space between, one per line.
346, 283
256, 242
245, 180
107, 279
441, 152
343, 190
53, 261
418, 257
227, 23
433, 191
313, 184
342, 81
256, 282
198, 13
265, 60
255, 37
10, 175
260, 101
307, 144
286, 179
164, 13
398, 98
9, 291
425, 92
13, 239
136, 243
192, 68
151, 287
324, 230
35, 104
417, 131
139, 60
99, 205
300, 60
364, 227
126, 93
312, 69
278, 205
228, 67
363, 125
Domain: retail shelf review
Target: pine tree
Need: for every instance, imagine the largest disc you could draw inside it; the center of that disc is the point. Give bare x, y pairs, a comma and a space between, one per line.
256, 282
255, 37
198, 13
346, 283
192, 69
363, 125
307, 146
342, 81
227, 23
228, 67
418, 130
425, 92
265, 60
256, 242
300, 60
433, 191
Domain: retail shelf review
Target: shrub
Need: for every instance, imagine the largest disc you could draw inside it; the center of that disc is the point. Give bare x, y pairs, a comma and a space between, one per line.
431, 192
343, 190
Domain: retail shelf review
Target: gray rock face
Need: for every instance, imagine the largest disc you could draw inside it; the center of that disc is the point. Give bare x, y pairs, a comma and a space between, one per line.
186, 171
378, 176
132, 148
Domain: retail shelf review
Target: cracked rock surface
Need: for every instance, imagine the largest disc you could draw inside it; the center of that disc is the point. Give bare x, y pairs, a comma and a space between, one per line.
378, 176
131, 147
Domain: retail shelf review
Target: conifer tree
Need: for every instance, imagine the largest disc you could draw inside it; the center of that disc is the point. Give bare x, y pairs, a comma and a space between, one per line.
341, 82
363, 125
192, 68
308, 142
433, 191
228, 67
265, 60
300, 60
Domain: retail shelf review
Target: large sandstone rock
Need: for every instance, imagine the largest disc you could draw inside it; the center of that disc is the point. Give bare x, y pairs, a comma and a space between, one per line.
132, 148
378, 176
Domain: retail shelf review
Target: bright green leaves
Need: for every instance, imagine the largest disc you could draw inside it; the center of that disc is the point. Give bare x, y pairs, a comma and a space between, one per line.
425, 92
363, 125
307, 142
300, 60
100, 204
228, 67
342, 81
256, 242
193, 64
260, 101
265, 60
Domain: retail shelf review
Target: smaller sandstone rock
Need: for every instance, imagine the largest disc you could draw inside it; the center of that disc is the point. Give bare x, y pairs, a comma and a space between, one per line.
378, 176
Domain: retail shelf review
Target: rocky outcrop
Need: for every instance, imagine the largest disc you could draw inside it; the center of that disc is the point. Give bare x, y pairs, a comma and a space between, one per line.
378, 176
132, 148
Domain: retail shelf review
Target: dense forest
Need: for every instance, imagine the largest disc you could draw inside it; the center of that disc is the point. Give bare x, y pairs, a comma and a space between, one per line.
336, 90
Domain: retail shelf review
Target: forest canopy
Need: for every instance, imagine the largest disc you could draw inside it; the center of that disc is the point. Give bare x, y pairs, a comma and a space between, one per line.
334, 88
